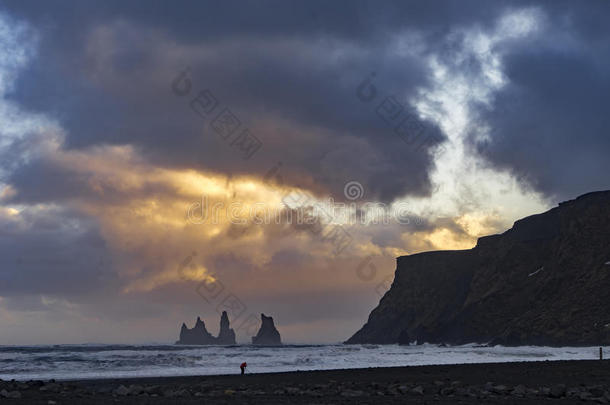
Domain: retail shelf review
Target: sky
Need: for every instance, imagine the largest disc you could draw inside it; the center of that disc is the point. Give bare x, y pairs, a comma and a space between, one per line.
163, 161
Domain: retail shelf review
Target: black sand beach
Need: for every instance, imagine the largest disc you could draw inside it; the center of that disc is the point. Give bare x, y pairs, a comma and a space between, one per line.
526, 383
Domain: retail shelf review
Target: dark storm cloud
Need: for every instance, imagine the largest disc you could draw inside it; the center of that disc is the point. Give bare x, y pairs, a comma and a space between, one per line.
290, 76
191, 20
288, 70
551, 123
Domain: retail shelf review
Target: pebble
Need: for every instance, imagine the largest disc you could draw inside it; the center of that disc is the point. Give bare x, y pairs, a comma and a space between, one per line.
519, 390
136, 390
51, 387
596, 392
10, 394
352, 393
435, 390
557, 391
500, 389
121, 391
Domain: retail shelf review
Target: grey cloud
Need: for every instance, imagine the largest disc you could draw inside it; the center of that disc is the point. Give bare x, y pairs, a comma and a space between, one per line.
289, 66
550, 124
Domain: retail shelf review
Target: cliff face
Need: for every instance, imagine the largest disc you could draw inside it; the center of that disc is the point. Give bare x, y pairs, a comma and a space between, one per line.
267, 335
545, 281
200, 336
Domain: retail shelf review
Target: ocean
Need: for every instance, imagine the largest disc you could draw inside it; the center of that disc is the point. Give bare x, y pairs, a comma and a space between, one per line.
63, 362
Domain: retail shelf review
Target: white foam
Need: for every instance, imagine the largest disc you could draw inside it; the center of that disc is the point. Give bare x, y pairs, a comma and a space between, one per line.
146, 361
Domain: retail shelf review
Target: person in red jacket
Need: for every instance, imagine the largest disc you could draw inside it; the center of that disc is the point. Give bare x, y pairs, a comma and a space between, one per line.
243, 367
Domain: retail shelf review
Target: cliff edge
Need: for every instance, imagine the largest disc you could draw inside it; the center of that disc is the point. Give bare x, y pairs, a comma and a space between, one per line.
545, 281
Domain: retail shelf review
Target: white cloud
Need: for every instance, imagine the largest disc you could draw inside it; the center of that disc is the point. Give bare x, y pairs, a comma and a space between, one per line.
466, 184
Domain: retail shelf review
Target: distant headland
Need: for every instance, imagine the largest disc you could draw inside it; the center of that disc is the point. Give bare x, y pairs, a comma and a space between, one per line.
543, 282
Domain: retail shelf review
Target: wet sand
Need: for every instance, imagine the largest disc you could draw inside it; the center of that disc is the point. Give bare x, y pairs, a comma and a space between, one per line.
526, 383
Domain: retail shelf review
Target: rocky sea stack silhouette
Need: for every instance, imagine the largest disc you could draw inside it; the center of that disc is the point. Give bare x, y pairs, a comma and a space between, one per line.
267, 335
545, 281
200, 336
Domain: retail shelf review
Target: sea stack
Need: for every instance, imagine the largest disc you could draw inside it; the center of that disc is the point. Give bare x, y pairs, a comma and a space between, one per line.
200, 336
226, 336
267, 335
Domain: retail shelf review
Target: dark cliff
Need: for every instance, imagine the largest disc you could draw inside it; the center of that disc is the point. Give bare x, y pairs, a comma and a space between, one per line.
200, 336
545, 281
267, 335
